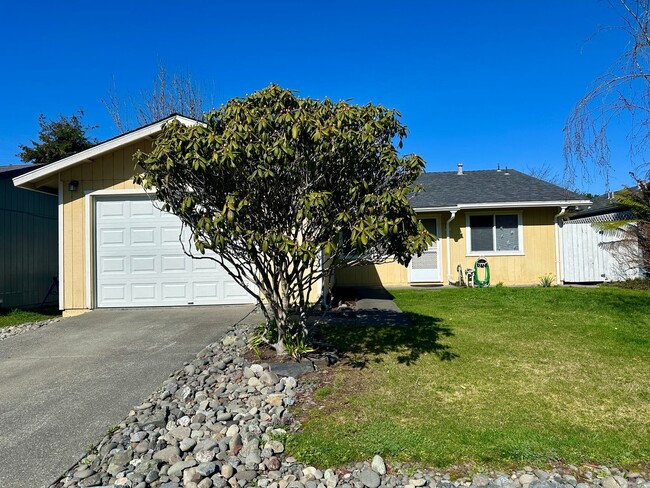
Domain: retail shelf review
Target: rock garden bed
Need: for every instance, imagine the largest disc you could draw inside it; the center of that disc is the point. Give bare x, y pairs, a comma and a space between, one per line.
222, 421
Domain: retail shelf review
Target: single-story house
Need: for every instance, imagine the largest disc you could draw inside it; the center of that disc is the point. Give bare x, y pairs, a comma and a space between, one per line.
594, 255
116, 249
507, 217
28, 242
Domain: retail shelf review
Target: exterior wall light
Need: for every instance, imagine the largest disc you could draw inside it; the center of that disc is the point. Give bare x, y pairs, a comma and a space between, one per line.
73, 185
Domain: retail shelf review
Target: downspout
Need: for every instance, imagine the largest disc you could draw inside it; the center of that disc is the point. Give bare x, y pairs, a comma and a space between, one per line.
447, 228
558, 247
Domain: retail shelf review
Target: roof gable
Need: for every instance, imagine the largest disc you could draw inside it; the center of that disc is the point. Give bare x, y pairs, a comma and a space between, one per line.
30, 179
510, 188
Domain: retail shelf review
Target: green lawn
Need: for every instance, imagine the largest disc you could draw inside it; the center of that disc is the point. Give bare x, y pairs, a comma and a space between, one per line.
18, 316
493, 377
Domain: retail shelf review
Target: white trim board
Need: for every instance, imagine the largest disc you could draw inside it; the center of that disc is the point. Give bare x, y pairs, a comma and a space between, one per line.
60, 243
520, 234
130, 191
95, 151
440, 279
88, 246
504, 205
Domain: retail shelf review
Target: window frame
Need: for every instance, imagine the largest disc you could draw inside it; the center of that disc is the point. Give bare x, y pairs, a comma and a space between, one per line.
494, 213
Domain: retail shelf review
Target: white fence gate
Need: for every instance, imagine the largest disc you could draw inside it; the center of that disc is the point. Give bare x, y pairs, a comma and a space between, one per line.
592, 255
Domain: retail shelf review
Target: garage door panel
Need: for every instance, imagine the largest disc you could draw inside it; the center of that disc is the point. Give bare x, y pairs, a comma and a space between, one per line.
143, 236
173, 263
169, 235
140, 261
143, 264
205, 290
112, 265
144, 292
115, 293
113, 210
111, 237
142, 209
205, 265
176, 291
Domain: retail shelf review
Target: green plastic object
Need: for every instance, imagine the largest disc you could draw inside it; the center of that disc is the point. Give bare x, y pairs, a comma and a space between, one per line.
482, 264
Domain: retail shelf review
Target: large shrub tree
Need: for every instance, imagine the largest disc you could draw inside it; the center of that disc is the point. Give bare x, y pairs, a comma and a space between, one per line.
285, 190
57, 139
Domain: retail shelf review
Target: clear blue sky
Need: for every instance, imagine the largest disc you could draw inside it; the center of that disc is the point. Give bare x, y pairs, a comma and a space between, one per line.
476, 82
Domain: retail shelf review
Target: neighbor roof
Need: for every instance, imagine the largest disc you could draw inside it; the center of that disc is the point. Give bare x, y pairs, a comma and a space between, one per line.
601, 205
489, 188
13, 170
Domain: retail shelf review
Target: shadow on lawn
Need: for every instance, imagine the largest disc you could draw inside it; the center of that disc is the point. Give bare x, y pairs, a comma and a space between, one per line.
363, 338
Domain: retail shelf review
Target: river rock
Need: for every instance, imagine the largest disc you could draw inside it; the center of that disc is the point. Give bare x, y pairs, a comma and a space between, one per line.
378, 465
369, 478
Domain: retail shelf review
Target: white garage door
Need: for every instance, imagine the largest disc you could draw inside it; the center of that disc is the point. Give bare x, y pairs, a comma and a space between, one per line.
140, 261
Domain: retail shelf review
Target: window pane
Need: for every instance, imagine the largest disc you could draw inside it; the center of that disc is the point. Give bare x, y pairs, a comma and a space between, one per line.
481, 226
428, 260
507, 233
431, 226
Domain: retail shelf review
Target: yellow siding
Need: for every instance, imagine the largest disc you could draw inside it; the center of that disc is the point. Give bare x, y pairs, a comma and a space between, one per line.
538, 258
111, 171
388, 274
115, 170
538, 246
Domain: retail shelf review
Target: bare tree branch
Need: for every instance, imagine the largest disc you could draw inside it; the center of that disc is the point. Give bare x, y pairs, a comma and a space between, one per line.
621, 93
175, 93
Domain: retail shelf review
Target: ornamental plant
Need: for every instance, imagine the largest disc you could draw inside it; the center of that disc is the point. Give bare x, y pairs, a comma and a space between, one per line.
282, 190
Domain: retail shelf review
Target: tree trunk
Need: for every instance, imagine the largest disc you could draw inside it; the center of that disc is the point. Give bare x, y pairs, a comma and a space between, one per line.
280, 348
280, 317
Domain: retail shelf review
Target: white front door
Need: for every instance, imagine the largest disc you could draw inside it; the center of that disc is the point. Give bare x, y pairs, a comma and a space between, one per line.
426, 268
139, 260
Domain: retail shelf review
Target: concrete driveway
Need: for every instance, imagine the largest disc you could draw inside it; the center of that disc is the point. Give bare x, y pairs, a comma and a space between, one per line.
63, 386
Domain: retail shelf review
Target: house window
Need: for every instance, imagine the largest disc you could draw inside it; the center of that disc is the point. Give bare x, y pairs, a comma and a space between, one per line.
494, 234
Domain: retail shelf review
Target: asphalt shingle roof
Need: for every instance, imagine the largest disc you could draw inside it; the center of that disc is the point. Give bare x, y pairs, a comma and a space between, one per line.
11, 170
448, 189
602, 204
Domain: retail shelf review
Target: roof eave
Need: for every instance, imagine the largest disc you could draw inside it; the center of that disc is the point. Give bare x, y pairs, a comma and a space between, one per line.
28, 180
489, 205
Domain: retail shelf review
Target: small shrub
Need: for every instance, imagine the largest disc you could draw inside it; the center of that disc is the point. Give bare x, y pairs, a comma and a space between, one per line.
298, 345
264, 334
546, 281
296, 342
